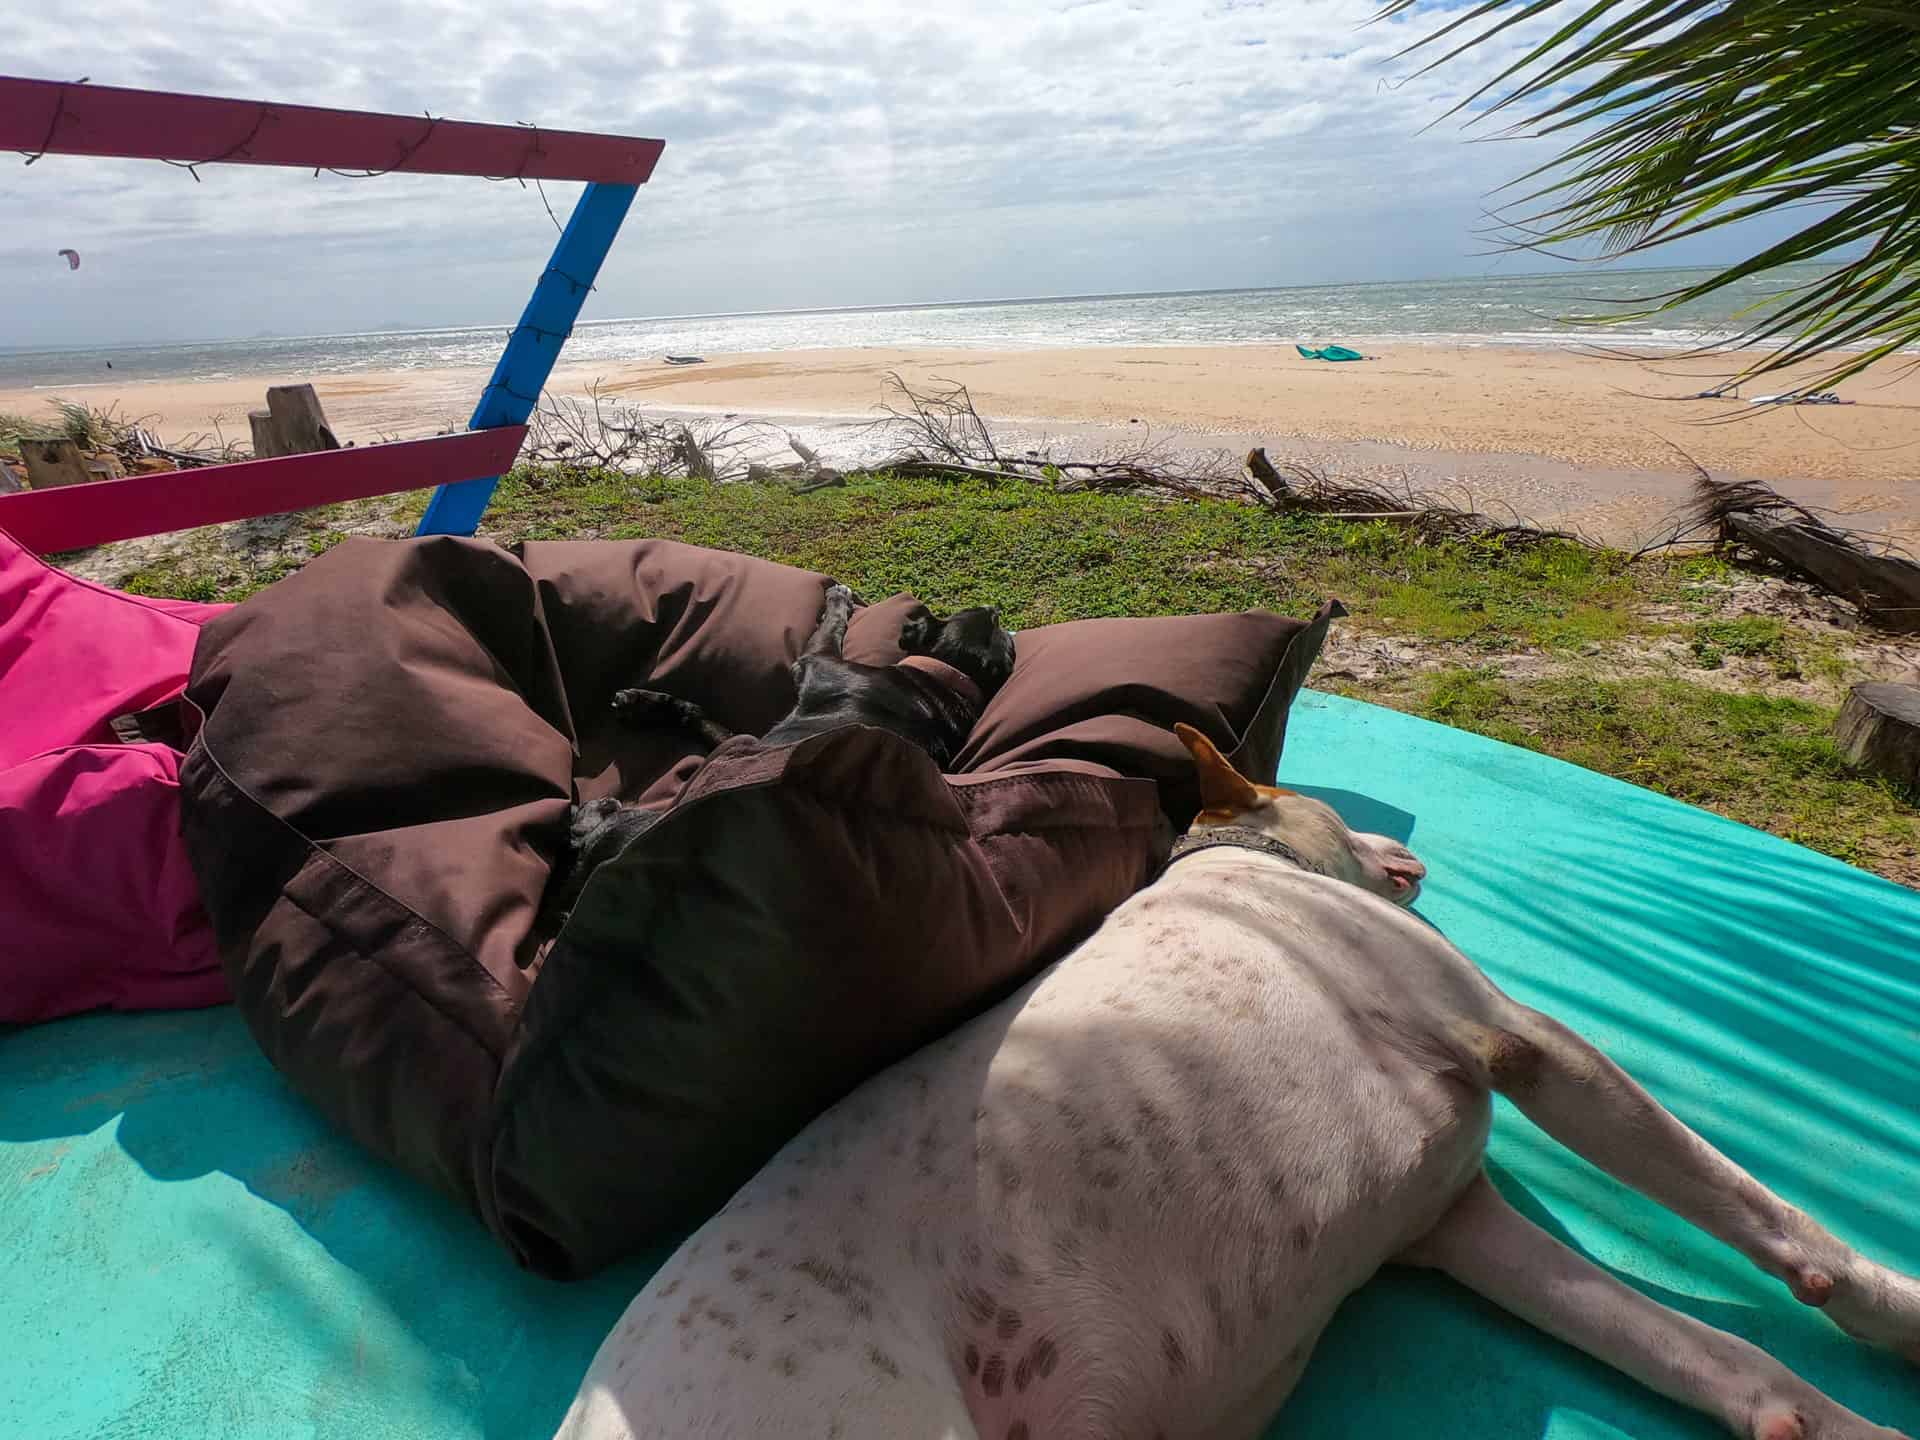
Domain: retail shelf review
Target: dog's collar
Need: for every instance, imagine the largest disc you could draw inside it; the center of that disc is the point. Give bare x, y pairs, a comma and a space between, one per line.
1239, 837
953, 679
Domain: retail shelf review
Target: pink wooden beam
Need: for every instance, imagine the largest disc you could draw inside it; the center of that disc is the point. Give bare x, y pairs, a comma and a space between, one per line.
75, 516
58, 117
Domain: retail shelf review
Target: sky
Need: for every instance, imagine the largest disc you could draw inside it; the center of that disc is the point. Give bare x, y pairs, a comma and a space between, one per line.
818, 153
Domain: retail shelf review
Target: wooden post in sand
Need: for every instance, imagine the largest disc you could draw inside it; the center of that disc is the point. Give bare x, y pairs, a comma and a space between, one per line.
266, 444
53, 461
1879, 728
292, 424
299, 424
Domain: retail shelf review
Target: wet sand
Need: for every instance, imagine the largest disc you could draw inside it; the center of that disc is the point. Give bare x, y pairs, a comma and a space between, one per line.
1558, 436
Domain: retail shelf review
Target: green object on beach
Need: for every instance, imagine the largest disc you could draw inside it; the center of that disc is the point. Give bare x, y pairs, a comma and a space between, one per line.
1330, 352
193, 1255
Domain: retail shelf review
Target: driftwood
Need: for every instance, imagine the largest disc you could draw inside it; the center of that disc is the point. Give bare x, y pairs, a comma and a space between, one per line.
107, 445
1869, 572
1879, 729
693, 456
1884, 588
601, 431
947, 436
801, 479
1265, 475
188, 459
919, 466
938, 432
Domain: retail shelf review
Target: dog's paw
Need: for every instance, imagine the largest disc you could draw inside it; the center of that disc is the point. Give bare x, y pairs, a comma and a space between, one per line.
589, 818
838, 594
641, 704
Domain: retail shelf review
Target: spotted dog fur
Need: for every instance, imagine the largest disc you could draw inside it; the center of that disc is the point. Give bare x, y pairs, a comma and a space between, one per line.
1125, 1202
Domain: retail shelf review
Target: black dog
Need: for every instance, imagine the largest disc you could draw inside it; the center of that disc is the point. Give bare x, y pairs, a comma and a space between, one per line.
932, 698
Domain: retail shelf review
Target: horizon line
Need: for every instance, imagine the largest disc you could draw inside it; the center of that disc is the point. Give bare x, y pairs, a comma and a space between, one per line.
868, 309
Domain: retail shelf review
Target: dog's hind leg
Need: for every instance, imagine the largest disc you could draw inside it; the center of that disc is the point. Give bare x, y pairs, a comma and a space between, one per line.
1589, 1104
831, 633
655, 707
1489, 1247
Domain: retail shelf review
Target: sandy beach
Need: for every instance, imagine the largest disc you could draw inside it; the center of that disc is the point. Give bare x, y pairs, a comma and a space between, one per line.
1556, 435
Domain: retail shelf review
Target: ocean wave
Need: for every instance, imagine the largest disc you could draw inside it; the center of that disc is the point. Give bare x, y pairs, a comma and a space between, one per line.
1476, 311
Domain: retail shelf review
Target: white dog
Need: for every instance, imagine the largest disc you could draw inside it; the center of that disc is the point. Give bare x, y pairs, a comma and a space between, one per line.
1126, 1201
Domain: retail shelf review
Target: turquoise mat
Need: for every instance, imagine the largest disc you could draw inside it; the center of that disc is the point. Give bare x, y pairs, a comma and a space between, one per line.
189, 1255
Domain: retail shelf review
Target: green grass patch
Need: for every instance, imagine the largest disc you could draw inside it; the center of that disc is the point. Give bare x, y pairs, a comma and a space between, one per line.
1749, 636
1767, 761
85, 425
12, 427
171, 580
93, 429
322, 541
229, 584
1792, 654
1043, 556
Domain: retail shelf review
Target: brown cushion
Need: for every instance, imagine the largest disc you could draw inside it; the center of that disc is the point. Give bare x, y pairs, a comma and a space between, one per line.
801, 917
1109, 692
390, 742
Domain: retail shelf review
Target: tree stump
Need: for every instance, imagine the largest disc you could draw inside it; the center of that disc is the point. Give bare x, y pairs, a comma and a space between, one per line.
299, 424
53, 461
1879, 729
266, 441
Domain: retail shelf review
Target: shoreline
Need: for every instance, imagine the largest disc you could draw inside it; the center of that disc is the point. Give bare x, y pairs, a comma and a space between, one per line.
1681, 347
1550, 432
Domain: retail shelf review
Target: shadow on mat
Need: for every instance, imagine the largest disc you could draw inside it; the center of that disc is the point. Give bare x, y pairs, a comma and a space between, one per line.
1413, 1350
1773, 996
1768, 998
1772, 999
1363, 812
195, 1097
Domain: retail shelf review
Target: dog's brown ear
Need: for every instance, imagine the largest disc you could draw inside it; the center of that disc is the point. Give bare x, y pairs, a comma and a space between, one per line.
1224, 791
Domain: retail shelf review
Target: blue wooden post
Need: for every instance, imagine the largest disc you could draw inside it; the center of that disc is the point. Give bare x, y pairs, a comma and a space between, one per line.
534, 345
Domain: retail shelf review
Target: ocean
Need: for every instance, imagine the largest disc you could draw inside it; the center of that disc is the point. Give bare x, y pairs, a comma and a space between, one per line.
1479, 310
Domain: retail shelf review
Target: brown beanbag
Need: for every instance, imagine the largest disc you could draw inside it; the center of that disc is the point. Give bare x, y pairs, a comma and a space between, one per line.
389, 744
800, 918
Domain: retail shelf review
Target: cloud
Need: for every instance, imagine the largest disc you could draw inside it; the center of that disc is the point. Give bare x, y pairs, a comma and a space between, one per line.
817, 154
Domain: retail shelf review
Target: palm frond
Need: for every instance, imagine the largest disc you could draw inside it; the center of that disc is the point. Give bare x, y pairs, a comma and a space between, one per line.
1684, 116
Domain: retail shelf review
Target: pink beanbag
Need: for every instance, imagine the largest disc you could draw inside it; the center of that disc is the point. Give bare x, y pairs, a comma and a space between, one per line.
100, 907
